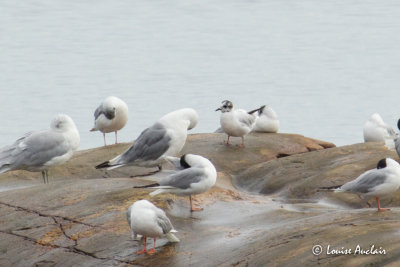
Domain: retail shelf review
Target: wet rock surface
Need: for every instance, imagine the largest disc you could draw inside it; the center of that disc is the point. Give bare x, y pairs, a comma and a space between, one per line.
273, 216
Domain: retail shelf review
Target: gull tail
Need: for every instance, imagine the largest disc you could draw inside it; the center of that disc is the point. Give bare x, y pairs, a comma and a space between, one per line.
93, 130
171, 237
158, 191
105, 164
255, 110
147, 186
335, 188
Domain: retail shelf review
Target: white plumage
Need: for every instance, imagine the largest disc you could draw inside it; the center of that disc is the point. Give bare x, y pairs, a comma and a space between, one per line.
41, 150
267, 121
376, 130
147, 220
110, 116
379, 182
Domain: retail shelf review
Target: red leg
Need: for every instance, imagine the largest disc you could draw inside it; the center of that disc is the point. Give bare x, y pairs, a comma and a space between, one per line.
104, 136
191, 205
116, 137
379, 206
144, 248
227, 142
242, 144
153, 251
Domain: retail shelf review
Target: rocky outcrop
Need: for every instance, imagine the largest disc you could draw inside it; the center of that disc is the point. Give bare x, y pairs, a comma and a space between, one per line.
273, 216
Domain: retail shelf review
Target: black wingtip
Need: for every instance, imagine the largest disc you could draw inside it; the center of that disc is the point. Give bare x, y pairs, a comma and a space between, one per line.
105, 164
330, 187
145, 186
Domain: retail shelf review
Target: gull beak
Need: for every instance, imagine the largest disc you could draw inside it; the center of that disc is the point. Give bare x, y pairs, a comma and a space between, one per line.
218, 109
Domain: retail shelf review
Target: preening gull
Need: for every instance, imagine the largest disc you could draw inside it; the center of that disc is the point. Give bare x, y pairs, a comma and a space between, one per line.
236, 122
379, 182
41, 150
376, 130
110, 116
267, 121
149, 221
164, 138
193, 175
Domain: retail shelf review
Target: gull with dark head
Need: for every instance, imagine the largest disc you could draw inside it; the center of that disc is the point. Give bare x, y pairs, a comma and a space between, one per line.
236, 122
164, 138
40, 150
146, 219
193, 175
379, 182
110, 116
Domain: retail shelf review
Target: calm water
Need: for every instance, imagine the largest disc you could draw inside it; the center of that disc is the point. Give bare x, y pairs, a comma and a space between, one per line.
324, 66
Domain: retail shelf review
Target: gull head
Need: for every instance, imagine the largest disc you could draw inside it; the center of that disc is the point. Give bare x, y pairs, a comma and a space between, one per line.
227, 106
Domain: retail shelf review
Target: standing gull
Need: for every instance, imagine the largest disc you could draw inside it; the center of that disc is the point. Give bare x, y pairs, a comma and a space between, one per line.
146, 219
194, 174
236, 122
376, 130
383, 180
267, 121
110, 116
164, 138
41, 150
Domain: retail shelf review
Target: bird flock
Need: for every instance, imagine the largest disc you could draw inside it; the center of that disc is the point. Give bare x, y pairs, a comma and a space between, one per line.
38, 151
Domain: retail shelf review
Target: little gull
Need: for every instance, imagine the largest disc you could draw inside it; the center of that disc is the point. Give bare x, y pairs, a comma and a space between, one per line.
41, 150
383, 180
193, 175
110, 116
267, 121
165, 138
376, 130
149, 221
236, 122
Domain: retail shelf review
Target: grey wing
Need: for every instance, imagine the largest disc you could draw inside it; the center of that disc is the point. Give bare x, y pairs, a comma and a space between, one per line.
246, 119
98, 112
183, 179
35, 149
366, 183
150, 145
164, 222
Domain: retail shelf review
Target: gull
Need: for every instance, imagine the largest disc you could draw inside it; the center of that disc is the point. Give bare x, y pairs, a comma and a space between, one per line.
397, 140
164, 138
110, 116
267, 121
236, 122
146, 219
376, 130
193, 175
383, 180
40, 150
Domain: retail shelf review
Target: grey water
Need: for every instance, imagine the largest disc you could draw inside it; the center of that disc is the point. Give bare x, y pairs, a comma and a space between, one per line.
323, 66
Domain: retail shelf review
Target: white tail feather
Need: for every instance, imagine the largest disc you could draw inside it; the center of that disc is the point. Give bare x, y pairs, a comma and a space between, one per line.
171, 237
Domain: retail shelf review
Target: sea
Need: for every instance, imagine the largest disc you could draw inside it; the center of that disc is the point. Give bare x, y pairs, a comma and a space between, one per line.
323, 66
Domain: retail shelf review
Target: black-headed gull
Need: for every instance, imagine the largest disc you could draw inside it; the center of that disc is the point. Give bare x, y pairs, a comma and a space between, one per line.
236, 122
40, 150
379, 182
110, 116
193, 175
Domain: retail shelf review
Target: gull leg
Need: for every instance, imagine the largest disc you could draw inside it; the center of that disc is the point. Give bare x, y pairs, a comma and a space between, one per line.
116, 137
153, 250
379, 206
44, 176
47, 175
104, 136
242, 144
227, 142
191, 205
144, 247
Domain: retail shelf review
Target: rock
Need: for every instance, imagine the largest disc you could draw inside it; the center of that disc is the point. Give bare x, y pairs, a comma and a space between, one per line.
273, 216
